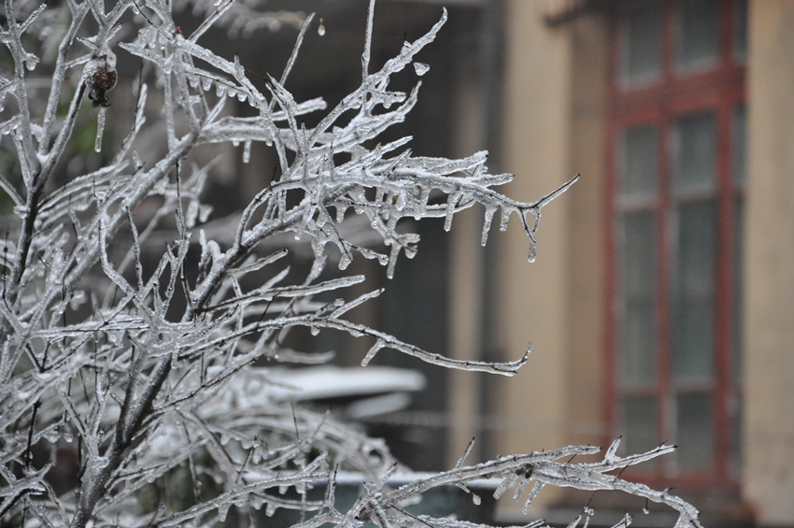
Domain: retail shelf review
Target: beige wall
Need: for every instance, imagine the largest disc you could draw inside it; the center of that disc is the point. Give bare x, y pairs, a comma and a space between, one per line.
555, 125
769, 268
586, 283
531, 307
555, 104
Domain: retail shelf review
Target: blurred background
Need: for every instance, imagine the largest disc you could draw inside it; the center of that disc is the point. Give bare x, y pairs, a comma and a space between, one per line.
661, 306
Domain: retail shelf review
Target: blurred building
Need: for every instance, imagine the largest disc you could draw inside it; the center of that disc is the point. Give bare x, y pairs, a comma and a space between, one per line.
661, 305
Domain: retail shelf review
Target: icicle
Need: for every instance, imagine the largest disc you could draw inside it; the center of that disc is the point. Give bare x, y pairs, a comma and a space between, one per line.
247, 151
486, 224
532, 494
100, 128
372, 351
505, 217
421, 207
344, 261
242, 96
395, 252
497, 494
220, 89
206, 84
522, 484
476, 499
451, 203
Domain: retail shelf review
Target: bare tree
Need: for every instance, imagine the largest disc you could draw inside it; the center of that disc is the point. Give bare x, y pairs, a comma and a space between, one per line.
141, 372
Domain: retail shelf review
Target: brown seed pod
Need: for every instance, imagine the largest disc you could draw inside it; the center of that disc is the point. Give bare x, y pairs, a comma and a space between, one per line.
100, 77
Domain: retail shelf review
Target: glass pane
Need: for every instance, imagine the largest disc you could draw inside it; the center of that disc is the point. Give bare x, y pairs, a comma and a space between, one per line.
692, 331
739, 144
694, 433
641, 60
694, 152
637, 357
740, 30
638, 424
639, 161
697, 34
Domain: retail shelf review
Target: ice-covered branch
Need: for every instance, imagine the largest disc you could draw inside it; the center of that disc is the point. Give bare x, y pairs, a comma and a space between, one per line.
133, 333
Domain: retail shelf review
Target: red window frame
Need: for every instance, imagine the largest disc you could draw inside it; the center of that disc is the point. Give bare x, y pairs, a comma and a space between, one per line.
719, 89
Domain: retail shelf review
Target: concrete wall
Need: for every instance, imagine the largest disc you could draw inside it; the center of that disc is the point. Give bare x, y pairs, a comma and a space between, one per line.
769, 268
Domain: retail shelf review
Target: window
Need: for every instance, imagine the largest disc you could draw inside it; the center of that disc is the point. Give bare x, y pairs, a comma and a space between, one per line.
677, 132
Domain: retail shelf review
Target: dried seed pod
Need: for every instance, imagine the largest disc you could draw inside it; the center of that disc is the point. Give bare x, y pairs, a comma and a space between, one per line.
100, 77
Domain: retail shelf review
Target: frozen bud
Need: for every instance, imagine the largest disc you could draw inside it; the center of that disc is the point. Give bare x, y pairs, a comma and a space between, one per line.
100, 77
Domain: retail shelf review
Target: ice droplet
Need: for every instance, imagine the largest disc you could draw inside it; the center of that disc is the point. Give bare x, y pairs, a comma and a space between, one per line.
476, 499
321, 28
646, 511
421, 68
223, 510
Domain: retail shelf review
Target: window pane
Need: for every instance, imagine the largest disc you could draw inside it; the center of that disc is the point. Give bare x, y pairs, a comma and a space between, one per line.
637, 357
694, 434
639, 161
694, 152
739, 144
639, 424
692, 332
696, 34
641, 60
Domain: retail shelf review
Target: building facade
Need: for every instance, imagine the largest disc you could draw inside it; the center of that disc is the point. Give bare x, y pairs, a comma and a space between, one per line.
660, 306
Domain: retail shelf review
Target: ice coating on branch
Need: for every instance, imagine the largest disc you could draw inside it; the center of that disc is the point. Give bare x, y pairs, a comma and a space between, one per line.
143, 338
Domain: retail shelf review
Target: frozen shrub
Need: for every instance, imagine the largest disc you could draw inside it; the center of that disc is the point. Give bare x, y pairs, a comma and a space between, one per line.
116, 373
